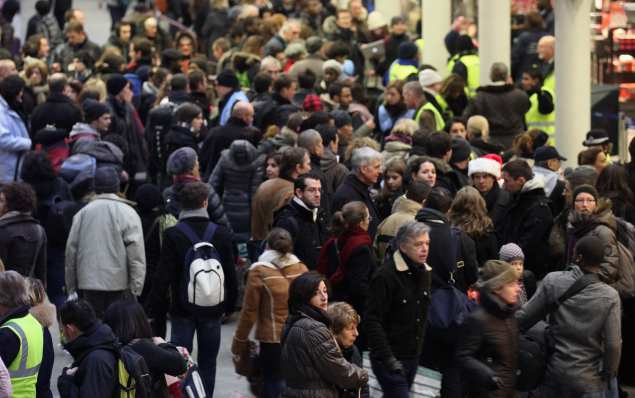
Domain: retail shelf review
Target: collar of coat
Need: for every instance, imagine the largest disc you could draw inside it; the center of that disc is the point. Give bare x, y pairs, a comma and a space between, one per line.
314, 211
274, 259
400, 262
193, 213
115, 197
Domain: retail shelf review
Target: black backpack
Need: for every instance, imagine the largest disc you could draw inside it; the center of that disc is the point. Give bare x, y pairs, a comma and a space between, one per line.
160, 120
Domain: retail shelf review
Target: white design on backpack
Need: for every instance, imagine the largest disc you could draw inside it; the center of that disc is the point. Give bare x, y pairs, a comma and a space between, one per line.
206, 287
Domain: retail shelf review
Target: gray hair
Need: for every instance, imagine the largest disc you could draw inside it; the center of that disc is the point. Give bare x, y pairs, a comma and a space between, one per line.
269, 61
498, 72
410, 230
413, 88
308, 139
287, 25
13, 291
364, 156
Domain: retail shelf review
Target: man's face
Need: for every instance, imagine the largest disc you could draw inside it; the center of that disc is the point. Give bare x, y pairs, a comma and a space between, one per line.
151, 31
553, 164
70, 332
483, 182
399, 28
318, 149
186, 46
288, 92
222, 90
45, 49
272, 70
314, 7
545, 50
356, 8
330, 75
344, 20
416, 249
311, 194
293, 33
345, 132
409, 99
345, 98
126, 94
585, 203
370, 172
75, 38
512, 185
248, 116
458, 130
528, 83
125, 32
305, 167
103, 122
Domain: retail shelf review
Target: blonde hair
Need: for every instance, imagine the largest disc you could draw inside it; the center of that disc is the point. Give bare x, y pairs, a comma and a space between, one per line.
405, 128
469, 212
360, 142
342, 315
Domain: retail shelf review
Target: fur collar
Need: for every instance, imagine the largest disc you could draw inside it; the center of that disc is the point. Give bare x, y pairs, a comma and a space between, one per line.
273, 259
400, 262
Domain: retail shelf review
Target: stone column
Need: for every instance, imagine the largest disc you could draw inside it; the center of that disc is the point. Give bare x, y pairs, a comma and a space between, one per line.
436, 19
494, 35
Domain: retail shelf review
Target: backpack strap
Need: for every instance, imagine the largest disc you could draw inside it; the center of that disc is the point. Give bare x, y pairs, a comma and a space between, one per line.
209, 232
188, 232
575, 288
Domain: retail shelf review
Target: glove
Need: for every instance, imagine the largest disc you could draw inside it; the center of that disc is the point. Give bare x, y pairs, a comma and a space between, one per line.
496, 383
394, 366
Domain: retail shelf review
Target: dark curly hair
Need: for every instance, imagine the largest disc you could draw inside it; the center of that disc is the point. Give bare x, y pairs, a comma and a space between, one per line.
37, 167
19, 197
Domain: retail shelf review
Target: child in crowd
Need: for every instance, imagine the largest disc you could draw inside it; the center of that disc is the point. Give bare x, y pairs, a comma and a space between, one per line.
513, 254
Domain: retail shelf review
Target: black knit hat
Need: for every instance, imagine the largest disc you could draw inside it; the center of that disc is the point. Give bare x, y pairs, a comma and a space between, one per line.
116, 83
227, 78
407, 50
461, 150
148, 197
586, 189
93, 110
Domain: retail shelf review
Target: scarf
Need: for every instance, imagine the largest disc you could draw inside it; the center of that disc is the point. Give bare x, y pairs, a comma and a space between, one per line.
348, 242
183, 178
304, 310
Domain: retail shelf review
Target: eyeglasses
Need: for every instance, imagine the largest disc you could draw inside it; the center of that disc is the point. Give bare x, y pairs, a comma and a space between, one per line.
583, 201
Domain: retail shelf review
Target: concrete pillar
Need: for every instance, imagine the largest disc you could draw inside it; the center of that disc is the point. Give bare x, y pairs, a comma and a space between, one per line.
494, 35
388, 8
436, 24
573, 76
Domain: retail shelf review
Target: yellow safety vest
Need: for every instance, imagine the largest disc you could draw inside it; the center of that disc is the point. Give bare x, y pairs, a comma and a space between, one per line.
401, 72
25, 367
536, 120
438, 118
451, 62
473, 64
419, 42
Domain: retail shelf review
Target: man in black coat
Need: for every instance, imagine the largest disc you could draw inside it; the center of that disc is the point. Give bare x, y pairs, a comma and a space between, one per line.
311, 140
527, 220
283, 92
58, 110
366, 165
238, 127
395, 321
304, 219
93, 372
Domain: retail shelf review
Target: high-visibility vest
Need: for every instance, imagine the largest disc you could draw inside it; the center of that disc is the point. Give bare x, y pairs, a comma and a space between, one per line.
419, 42
536, 120
473, 64
25, 367
438, 118
401, 72
451, 62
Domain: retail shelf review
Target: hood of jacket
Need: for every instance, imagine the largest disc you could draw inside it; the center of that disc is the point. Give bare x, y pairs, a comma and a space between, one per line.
328, 161
536, 183
83, 129
273, 258
241, 153
549, 177
98, 335
405, 205
427, 215
397, 146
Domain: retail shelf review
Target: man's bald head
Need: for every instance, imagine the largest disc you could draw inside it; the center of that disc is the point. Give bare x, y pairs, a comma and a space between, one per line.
244, 111
547, 48
7, 67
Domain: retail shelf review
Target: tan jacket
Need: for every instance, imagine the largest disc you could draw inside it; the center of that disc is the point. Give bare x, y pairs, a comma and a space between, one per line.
266, 297
403, 210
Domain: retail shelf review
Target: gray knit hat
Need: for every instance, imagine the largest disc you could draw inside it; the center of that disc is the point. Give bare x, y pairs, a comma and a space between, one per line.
511, 252
495, 274
181, 161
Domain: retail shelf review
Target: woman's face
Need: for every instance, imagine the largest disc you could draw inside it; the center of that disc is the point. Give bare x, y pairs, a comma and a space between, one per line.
600, 162
458, 130
427, 173
346, 338
392, 96
509, 292
519, 265
197, 123
321, 297
585, 203
272, 170
394, 181
365, 222
186, 46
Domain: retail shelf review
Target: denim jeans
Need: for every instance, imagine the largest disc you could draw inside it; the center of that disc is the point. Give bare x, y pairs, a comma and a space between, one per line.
208, 338
395, 385
560, 390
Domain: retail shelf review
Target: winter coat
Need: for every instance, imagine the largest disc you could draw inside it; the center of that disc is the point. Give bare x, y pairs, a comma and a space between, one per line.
620, 206
525, 51
10, 344
82, 131
403, 210
554, 188
14, 142
486, 245
334, 171
220, 138
162, 359
527, 222
312, 363
168, 280
228, 105
114, 262
266, 297
452, 253
496, 200
397, 311
179, 137
352, 355
586, 330
96, 375
385, 202
278, 113
236, 178
352, 189
23, 245
489, 348
307, 227
65, 53
270, 196
215, 208
602, 225
47, 26
394, 150
503, 105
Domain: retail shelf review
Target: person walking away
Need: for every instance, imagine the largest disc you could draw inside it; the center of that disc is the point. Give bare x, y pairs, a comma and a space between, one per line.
265, 304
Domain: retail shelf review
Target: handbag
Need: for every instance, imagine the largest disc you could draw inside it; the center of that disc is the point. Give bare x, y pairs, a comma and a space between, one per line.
246, 362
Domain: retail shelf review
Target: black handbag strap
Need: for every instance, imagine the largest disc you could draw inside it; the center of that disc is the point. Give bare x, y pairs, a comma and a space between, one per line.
575, 288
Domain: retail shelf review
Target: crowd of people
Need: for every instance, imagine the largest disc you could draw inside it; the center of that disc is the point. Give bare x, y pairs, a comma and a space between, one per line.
299, 165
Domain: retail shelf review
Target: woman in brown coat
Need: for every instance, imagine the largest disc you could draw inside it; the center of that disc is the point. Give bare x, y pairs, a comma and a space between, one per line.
266, 305
488, 352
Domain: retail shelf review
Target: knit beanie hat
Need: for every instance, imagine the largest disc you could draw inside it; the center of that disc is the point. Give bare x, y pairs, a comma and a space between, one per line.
585, 189
313, 44
93, 110
484, 165
148, 197
116, 83
461, 150
407, 50
227, 78
511, 252
106, 180
181, 161
428, 77
495, 274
